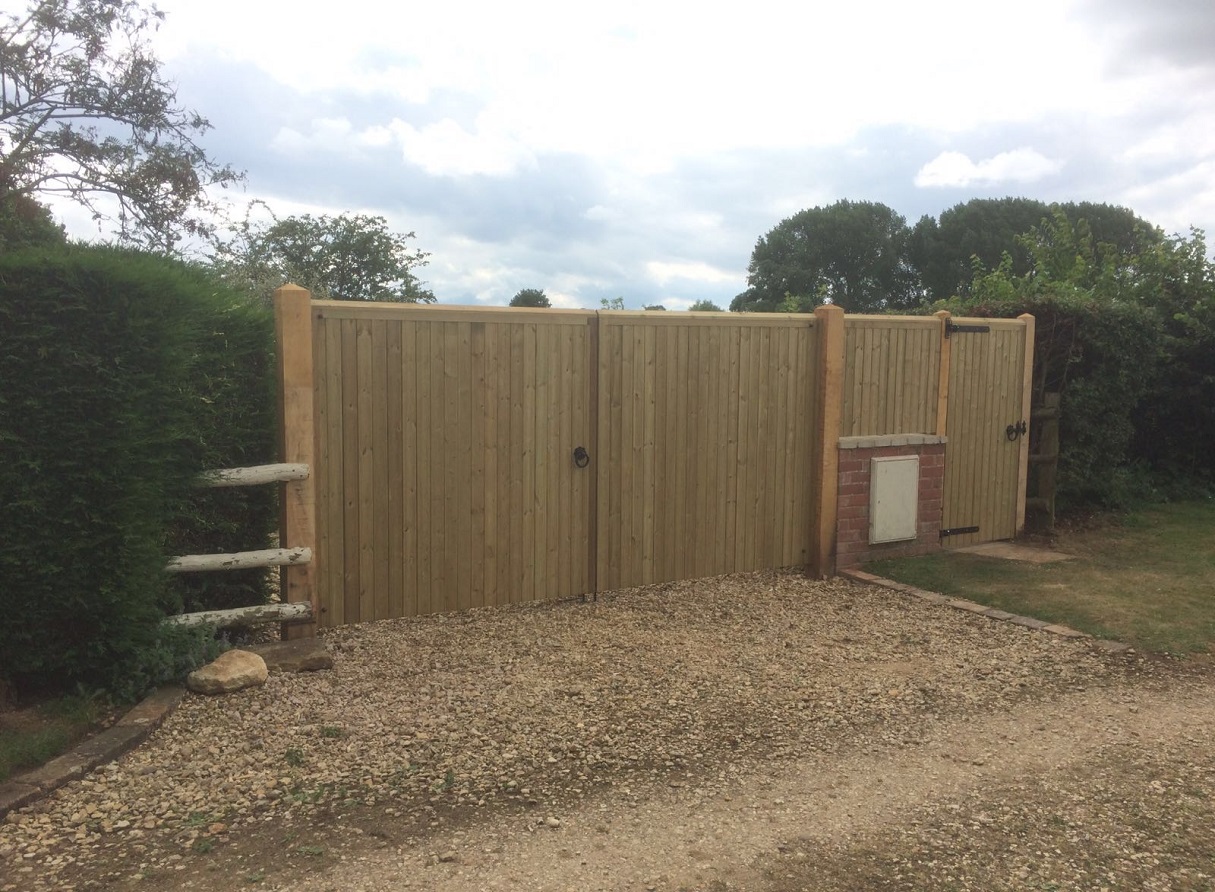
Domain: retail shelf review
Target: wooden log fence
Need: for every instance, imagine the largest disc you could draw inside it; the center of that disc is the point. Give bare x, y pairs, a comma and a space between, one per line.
241, 560
245, 560
244, 616
279, 473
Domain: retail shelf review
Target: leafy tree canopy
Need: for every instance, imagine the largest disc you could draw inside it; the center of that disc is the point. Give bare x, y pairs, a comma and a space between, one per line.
347, 257
851, 253
530, 297
24, 223
611, 303
704, 306
86, 113
944, 252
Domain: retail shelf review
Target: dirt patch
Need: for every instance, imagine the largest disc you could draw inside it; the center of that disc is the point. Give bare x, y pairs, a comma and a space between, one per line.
450, 743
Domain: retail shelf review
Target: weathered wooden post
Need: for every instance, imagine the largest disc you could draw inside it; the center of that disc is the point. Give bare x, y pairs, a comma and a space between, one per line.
830, 321
297, 525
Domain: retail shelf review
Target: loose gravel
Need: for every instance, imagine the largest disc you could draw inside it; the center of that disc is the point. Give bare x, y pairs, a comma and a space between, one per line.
428, 723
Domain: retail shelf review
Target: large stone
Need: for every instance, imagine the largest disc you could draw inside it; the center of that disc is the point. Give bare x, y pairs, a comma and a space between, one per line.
234, 670
300, 655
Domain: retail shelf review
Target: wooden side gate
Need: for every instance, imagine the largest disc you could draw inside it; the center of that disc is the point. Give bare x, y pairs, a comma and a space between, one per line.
987, 453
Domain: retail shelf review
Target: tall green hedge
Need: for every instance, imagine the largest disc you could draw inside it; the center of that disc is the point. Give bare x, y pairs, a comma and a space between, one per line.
1102, 359
122, 376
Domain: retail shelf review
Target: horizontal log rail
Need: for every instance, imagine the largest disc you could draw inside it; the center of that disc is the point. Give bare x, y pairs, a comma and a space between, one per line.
245, 616
241, 560
253, 476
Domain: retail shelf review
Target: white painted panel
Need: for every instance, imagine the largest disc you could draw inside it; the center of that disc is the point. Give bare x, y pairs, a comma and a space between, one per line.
894, 485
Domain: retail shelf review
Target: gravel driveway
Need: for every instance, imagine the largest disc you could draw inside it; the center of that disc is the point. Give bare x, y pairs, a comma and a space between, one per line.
438, 740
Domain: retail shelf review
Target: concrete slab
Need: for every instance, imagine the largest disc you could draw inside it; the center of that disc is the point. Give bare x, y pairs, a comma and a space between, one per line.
1011, 551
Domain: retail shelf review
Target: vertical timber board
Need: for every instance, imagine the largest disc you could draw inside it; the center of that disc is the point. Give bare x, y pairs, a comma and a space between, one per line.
381, 524
365, 425
327, 370
410, 457
982, 466
350, 472
293, 331
478, 430
586, 485
830, 410
395, 457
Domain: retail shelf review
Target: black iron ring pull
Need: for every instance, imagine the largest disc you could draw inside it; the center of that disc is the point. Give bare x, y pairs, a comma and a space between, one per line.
1015, 430
582, 458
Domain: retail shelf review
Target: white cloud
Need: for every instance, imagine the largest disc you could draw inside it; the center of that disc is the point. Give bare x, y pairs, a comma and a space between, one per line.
955, 169
663, 272
446, 149
1178, 201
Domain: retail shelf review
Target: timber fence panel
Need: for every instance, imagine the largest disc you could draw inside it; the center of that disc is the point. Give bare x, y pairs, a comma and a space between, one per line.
891, 375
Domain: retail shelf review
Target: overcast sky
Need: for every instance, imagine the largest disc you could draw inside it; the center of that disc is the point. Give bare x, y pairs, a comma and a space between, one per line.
639, 149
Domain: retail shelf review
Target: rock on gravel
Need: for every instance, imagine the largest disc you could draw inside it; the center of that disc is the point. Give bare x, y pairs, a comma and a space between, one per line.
232, 671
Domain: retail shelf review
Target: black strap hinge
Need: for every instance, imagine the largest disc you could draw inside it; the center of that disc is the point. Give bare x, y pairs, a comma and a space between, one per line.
951, 327
957, 531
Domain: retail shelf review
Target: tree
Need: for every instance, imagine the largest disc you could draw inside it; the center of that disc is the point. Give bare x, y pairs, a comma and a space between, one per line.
86, 113
944, 252
851, 253
24, 222
613, 303
530, 297
655, 307
347, 257
704, 306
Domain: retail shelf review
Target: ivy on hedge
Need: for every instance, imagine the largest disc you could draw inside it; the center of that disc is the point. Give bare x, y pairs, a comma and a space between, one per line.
123, 376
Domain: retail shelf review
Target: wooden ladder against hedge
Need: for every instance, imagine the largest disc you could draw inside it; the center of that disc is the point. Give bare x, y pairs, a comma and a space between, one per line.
1045, 460
286, 556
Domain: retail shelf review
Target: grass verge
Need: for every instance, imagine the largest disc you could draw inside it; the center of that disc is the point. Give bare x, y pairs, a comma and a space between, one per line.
30, 737
1147, 578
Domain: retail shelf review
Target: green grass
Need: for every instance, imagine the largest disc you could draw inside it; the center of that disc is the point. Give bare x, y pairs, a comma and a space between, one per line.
34, 736
1147, 579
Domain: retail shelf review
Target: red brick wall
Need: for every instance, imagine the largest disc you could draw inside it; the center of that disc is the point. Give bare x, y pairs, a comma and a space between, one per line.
852, 546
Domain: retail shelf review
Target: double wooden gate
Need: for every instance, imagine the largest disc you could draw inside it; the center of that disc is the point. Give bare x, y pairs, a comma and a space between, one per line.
469, 457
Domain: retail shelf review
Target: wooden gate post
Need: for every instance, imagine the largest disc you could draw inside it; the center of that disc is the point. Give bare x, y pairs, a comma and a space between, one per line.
297, 523
943, 375
830, 320
1027, 394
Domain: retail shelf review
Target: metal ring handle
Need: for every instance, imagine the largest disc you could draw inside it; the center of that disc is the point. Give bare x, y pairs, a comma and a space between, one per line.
582, 458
